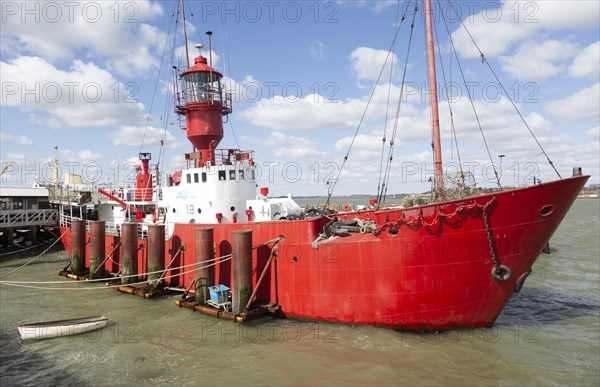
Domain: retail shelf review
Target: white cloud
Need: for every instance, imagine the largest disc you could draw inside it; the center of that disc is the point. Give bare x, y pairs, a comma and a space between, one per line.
141, 58
316, 112
21, 140
248, 89
496, 31
587, 63
536, 61
85, 95
580, 106
151, 137
15, 157
504, 132
288, 146
79, 157
362, 141
111, 32
317, 50
367, 62
381, 5
305, 114
594, 133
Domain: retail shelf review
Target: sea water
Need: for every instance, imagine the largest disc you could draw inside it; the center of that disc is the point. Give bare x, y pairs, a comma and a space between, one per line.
548, 334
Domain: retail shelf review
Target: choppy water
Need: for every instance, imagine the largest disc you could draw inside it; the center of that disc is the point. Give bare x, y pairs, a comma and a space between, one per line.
548, 334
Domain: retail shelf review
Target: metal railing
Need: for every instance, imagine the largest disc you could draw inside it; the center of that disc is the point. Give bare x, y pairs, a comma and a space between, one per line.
68, 195
111, 228
20, 218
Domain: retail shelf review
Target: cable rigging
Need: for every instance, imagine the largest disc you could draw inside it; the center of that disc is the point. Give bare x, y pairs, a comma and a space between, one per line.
162, 59
471, 101
336, 179
383, 194
452, 126
387, 106
484, 60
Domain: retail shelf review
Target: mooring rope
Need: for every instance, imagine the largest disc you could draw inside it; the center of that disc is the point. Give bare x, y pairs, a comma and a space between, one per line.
24, 249
33, 259
223, 258
24, 284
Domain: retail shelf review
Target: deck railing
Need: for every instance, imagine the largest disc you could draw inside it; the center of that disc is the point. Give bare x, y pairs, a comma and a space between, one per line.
111, 228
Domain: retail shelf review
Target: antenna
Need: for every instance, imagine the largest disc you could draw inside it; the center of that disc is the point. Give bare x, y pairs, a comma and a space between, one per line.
209, 33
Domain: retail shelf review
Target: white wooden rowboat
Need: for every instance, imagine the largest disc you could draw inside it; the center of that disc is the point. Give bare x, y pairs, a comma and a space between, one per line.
51, 329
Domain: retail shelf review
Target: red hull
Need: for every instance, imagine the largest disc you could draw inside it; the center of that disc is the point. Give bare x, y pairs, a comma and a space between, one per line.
433, 273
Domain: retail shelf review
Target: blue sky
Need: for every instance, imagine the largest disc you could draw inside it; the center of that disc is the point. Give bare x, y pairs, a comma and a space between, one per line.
81, 76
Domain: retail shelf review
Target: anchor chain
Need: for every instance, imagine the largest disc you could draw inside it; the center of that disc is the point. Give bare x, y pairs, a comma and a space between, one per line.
499, 272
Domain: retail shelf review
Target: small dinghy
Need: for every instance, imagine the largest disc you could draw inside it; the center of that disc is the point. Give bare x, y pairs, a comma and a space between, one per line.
51, 329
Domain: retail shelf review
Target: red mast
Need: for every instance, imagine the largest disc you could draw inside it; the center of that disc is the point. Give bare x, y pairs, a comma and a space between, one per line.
433, 95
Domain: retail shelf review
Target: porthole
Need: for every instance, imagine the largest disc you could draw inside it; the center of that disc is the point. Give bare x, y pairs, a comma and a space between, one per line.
232, 208
547, 210
174, 211
199, 211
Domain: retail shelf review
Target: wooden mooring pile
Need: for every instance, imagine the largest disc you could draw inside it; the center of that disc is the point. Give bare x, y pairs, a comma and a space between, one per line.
202, 295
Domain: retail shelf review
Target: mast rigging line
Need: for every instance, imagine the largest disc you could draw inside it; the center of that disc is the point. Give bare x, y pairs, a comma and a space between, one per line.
388, 167
334, 183
452, 126
227, 64
170, 101
471, 101
171, 98
195, 23
484, 60
162, 59
383, 139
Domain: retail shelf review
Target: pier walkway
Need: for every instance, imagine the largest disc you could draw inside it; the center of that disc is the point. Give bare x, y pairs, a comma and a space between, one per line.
28, 218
